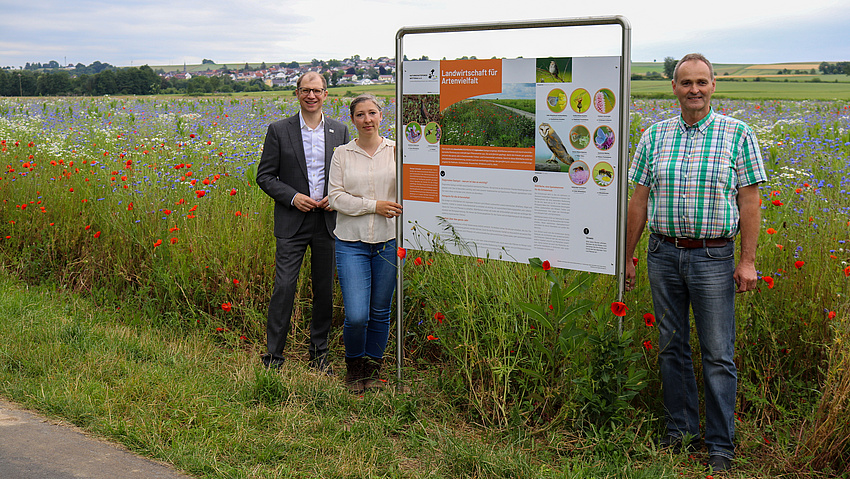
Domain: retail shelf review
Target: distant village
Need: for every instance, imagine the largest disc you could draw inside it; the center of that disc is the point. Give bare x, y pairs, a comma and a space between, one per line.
350, 71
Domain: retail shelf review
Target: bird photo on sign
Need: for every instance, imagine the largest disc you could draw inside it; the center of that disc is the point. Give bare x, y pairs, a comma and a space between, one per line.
554, 70
560, 155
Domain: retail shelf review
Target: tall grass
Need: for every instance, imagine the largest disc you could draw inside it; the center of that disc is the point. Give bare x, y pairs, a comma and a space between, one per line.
176, 257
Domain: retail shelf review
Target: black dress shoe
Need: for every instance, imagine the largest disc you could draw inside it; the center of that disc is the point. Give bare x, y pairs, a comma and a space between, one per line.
718, 464
271, 362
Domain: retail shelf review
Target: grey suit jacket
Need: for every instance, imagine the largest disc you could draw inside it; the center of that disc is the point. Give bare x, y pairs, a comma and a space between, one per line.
282, 171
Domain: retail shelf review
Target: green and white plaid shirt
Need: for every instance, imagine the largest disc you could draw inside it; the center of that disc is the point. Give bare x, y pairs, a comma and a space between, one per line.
693, 174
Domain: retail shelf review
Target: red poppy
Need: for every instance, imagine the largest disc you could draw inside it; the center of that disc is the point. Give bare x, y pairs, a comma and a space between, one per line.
402, 253
233, 192
200, 193
647, 345
649, 319
238, 213
167, 212
847, 271
431, 337
546, 266
193, 208
619, 308
831, 315
173, 240
418, 261
634, 260
88, 227
439, 317
770, 231
130, 206
769, 281
235, 281
799, 264
206, 181
226, 307
97, 235
777, 203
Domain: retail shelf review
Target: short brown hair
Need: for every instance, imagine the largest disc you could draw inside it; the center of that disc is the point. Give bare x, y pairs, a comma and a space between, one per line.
693, 56
324, 80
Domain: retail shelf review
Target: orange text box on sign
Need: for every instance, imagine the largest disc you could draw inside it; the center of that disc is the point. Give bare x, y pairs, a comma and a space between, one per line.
487, 157
462, 79
421, 183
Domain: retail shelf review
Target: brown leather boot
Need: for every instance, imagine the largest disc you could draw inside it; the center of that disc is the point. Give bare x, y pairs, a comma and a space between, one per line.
372, 373
354, 374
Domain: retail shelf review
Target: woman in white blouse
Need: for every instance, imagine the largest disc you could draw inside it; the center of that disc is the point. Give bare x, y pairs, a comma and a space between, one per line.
362, 189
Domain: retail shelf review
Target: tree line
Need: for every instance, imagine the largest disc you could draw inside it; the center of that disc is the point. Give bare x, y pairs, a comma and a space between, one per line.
835, 68
123, 81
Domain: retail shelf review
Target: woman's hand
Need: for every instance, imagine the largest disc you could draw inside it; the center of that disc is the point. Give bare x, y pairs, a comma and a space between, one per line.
388, 209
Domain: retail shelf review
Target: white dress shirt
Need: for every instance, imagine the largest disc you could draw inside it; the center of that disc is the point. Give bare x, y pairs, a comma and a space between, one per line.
314, 152
356, 183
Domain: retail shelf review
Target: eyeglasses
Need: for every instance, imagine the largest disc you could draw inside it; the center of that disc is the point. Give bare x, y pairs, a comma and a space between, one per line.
307, 91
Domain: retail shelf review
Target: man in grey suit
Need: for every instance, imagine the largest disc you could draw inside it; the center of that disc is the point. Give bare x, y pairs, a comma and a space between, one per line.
293, 170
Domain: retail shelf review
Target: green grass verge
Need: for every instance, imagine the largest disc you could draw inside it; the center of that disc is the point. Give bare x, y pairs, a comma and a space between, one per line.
205, 406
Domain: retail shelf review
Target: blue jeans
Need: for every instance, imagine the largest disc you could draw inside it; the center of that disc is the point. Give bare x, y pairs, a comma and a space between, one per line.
367, 278
703, 279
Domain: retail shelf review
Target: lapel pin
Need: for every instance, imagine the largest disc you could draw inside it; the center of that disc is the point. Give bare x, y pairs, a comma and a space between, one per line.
331, 131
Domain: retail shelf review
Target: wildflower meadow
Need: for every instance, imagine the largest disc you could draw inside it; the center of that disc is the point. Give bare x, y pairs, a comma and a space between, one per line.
148, 205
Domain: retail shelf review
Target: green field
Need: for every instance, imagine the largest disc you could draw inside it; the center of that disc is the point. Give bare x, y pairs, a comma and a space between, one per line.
740, 90
753, 90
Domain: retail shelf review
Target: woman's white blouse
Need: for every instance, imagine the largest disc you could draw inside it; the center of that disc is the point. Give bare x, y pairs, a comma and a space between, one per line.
357, 181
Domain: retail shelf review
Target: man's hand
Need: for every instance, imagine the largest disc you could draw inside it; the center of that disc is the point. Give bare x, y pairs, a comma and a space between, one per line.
631, 276
325, 204
305, 203
745, 277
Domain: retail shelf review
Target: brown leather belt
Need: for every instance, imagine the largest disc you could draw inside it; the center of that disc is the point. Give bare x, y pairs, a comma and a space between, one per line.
687, 243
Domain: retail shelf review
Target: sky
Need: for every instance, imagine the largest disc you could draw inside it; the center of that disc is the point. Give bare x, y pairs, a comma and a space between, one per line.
169, 32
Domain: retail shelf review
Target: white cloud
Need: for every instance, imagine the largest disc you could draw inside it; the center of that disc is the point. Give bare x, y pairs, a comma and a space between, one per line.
236, 31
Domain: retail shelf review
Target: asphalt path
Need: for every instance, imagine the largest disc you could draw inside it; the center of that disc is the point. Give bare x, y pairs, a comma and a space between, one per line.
35, 447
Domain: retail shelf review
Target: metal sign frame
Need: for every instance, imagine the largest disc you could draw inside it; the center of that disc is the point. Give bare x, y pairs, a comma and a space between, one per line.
625, 95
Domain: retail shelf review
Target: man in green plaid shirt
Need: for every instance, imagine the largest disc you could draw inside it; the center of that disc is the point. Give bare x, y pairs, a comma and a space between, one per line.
696, 187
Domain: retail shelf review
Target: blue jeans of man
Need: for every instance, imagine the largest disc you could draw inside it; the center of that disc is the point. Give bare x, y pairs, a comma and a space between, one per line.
702, 278
367, 278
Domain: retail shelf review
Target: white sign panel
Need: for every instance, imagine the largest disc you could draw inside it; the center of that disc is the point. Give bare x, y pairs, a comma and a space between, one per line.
517, 158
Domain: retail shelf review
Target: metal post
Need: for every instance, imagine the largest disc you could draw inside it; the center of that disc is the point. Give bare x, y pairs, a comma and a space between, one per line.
625, 100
